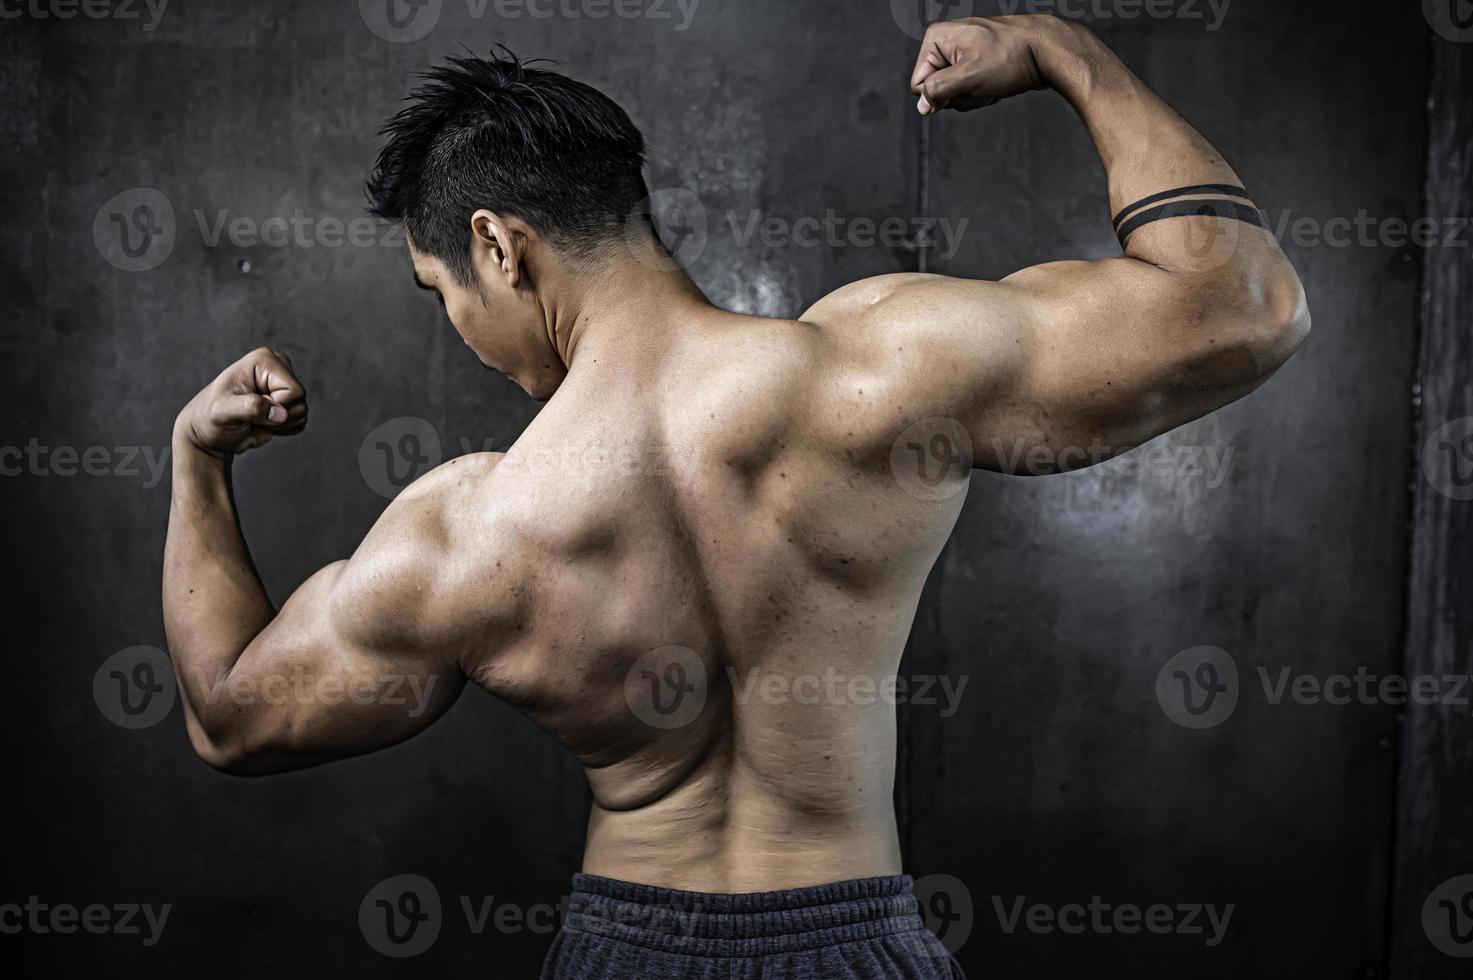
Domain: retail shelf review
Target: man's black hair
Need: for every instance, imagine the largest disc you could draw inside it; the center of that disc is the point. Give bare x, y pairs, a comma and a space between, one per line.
497, 133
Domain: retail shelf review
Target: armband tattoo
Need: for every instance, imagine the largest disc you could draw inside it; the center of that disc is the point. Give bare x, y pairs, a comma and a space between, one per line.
1142, 213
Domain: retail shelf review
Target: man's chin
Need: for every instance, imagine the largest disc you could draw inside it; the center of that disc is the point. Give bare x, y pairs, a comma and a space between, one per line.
540, 389
538, 393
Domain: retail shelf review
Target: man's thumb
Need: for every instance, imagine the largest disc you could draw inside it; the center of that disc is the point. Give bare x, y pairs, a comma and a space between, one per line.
939, 88
248, 408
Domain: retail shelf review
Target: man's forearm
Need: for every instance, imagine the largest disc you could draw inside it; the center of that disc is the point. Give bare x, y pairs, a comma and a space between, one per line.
1145, 146
1147, 149
214, 604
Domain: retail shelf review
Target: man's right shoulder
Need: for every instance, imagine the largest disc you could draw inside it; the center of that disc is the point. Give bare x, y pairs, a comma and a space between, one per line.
433, 566
441, 508
461, 473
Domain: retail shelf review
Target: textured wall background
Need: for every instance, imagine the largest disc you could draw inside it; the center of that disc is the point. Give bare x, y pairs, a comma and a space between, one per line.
1275, 531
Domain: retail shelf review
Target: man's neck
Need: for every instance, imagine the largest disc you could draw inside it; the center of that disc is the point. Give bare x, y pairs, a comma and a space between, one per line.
629, 302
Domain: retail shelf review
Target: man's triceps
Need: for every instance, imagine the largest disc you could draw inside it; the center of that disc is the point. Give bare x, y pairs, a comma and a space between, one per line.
331, 676
1121, 352
1064, 365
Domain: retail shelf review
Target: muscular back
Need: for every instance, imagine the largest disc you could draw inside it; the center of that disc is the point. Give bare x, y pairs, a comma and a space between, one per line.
700, 579
698, 565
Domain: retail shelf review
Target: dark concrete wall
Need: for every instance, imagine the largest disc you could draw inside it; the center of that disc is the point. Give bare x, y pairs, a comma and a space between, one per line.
1433, 898
1065, 596
1059, 775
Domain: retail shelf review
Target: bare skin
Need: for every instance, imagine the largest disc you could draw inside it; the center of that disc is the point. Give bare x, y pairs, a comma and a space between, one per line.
724, 485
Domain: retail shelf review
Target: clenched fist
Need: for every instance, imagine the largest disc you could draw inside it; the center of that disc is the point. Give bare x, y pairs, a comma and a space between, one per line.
976, 61
252, 400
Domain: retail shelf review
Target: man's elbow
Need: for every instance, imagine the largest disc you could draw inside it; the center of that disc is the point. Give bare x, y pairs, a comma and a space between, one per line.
1260, 322
229, 748
1282, 321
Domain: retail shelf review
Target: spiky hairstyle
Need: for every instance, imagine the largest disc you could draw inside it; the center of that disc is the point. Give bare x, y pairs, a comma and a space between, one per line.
498, 133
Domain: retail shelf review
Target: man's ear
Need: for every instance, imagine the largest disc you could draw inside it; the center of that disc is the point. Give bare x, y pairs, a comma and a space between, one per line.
500, 246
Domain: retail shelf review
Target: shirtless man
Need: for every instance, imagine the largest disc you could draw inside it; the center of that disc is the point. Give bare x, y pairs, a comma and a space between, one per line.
709, 500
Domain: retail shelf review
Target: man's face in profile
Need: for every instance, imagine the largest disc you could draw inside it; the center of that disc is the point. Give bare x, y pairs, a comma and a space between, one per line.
497, 321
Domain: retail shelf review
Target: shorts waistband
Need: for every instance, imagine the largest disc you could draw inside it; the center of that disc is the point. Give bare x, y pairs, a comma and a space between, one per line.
744, 924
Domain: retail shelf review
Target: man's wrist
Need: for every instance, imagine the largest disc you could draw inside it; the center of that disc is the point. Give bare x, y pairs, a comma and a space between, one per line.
1070, 58
188, 451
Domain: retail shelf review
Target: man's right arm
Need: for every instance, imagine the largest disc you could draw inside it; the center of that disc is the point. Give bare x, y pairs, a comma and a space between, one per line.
1105, 354
365, 653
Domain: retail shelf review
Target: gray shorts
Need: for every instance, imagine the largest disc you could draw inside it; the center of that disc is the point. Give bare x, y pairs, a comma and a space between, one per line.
866, 929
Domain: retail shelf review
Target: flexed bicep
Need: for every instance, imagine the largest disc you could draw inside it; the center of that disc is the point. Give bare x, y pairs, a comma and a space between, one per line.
1057, 367
368, 651
1069, 363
